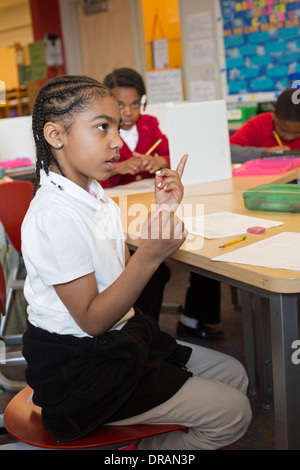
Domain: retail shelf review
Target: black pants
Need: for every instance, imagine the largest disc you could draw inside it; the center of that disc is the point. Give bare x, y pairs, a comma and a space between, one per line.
202, 301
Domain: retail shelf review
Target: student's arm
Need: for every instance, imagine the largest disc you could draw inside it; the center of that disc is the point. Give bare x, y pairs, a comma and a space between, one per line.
241, 154
96, 312
246, 136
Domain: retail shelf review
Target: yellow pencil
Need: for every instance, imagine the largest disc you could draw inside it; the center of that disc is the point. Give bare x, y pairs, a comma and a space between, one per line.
153, 147
277, 138
233, 242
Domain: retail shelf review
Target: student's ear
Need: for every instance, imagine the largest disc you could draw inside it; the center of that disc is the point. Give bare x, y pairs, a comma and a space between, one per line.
53, 134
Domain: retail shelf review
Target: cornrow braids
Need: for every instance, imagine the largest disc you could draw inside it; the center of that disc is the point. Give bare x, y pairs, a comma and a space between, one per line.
125, 77
58, 101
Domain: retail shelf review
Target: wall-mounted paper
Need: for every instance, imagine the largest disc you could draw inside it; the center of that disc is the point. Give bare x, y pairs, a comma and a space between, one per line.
200, 129
202, 51
164, 86
200, 25
203, 90
160, 54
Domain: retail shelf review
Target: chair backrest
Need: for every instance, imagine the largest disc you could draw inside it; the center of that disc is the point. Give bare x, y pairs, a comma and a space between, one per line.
2, 292
15, 198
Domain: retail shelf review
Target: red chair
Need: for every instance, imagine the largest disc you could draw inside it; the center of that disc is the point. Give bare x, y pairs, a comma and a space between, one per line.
22, 420
15, 198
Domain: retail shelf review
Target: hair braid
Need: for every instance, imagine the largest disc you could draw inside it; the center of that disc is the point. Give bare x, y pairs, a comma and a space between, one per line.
57, 101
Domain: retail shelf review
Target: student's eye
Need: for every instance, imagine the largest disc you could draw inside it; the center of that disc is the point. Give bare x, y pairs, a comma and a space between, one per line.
135, 105
121, 106
103, 127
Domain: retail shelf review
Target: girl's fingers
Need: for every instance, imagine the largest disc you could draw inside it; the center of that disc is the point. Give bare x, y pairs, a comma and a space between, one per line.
169, 181
181, 165
165, 172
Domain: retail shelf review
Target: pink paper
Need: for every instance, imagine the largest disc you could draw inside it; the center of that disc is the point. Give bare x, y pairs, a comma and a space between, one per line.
18, 162
267, 166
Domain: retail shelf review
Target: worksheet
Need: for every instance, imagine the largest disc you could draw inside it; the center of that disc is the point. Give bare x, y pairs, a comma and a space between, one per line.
280, 251
226, 224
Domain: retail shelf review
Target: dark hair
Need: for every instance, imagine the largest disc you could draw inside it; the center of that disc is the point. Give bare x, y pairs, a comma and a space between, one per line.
285, 108
58, 100
125, 77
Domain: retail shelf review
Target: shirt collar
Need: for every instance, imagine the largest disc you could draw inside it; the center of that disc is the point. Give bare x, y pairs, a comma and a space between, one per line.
60, 183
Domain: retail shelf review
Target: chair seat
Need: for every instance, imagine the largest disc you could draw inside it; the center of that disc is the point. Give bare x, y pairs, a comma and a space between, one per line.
22, 420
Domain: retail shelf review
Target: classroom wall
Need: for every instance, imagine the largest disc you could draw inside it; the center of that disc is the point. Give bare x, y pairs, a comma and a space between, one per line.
161, 20
46, 20
202, 48
15, 24
107, 40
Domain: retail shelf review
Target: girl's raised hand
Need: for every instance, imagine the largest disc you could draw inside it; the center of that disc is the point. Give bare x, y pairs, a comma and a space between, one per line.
162, 234
168, 186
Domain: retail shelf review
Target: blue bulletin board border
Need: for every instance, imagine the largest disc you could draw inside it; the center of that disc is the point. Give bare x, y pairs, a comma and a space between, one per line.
261, 48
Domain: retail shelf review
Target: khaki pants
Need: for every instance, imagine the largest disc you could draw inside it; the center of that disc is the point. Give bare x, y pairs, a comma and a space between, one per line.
212, 404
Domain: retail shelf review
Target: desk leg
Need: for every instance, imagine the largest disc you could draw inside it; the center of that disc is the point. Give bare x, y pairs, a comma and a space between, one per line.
249, 344
286, 380
261, 316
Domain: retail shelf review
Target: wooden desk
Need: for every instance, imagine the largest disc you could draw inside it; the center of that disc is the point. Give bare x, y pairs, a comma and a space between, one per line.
227, 186
280, 287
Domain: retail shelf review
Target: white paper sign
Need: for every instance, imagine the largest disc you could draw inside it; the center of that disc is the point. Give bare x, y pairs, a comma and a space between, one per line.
201, 51
200, 25
200, 129
203, 90
160, 55
164, 86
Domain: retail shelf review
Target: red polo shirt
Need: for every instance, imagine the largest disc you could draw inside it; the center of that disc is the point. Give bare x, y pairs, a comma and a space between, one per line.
149, 133
258, 132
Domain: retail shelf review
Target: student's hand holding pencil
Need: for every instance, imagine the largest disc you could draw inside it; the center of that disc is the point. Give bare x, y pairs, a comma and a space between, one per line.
278, 147
168, 186
132, 166
150, 163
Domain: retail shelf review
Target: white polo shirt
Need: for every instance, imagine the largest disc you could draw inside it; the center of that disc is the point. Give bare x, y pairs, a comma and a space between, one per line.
68, 233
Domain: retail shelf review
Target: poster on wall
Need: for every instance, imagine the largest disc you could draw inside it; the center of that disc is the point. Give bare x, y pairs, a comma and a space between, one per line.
262, 45
164, 86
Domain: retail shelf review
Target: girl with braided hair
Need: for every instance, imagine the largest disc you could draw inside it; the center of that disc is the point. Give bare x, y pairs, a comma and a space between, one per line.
91, 359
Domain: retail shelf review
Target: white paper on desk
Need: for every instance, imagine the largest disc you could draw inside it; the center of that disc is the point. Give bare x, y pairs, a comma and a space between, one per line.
226, 224
143, 186
280, 251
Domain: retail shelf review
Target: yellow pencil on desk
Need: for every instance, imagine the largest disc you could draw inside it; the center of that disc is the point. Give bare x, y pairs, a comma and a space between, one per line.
277, 138
153, 147
233, 242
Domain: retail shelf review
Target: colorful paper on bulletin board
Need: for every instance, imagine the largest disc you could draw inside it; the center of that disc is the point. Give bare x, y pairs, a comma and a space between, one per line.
262, 44
25, 74
38, 65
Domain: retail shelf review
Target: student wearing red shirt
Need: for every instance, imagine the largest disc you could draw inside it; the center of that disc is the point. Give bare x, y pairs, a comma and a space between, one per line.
139, 132
257, 134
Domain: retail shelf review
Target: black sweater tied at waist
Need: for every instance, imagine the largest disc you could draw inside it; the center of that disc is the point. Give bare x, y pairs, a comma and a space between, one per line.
81, 383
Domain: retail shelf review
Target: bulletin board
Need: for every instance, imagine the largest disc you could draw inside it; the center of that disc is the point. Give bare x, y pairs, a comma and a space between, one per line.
261, 48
